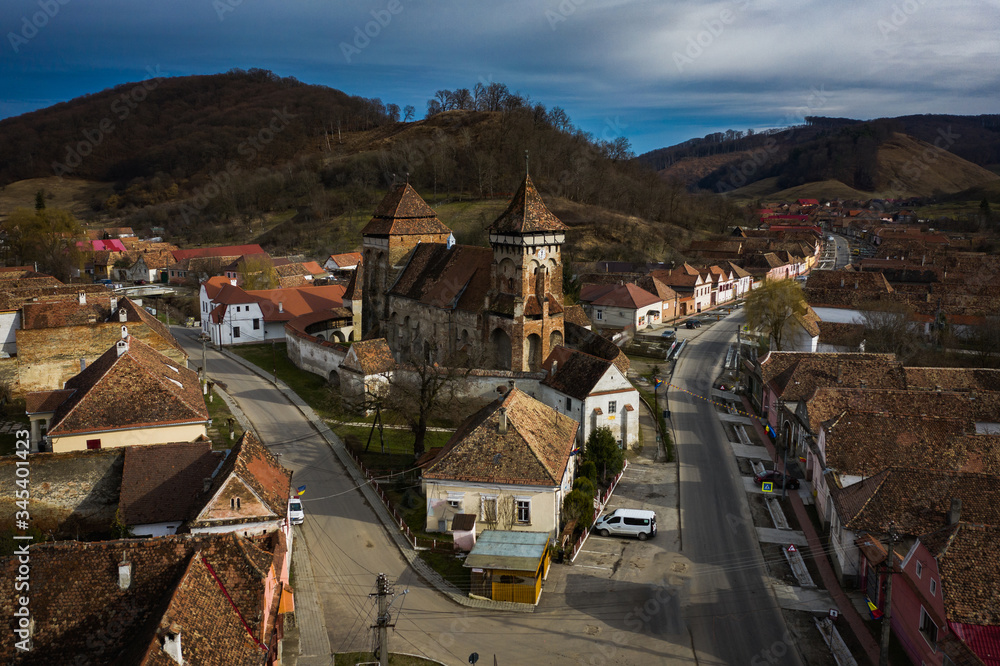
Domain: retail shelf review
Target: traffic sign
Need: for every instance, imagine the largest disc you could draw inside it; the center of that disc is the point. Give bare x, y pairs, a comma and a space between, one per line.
767, 487
792, 548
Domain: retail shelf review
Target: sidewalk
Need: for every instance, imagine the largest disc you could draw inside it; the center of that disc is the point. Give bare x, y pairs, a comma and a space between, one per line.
830, 582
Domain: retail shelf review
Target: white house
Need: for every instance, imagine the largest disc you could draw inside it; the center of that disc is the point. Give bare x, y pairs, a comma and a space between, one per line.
593, 392
511, 463
621, 306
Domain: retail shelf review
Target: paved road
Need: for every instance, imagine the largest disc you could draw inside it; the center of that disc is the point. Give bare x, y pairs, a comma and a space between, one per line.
728, 608
627, 613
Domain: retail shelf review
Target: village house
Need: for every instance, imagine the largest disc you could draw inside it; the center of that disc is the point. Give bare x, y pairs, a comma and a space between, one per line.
130, 395
230, 315
205, 599
194, 265
593, 392
620, 306
688, 281
342, 265
57, 339
944, 596
510, 463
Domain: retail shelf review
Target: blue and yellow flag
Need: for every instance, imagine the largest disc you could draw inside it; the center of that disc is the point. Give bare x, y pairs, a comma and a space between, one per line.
301, 490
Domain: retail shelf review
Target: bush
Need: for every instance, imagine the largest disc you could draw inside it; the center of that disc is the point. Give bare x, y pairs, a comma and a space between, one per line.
588, 470
578, 506
586, 485
602, 449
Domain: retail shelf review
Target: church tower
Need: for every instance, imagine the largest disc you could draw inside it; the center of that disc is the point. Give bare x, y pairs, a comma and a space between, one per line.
401, 221
525, 306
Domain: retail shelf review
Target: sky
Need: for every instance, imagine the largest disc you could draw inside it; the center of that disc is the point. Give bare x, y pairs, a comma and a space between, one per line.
656, 72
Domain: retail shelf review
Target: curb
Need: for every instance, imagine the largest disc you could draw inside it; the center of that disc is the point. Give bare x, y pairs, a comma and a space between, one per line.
432, 577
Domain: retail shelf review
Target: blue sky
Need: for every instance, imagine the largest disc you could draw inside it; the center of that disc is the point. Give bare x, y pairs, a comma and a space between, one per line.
657, 72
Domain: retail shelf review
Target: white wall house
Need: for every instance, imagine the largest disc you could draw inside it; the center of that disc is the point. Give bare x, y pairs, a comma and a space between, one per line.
593, 392
621, 306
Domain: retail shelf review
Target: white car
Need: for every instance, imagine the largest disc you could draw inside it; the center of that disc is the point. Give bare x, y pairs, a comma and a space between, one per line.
295, 513
627, 522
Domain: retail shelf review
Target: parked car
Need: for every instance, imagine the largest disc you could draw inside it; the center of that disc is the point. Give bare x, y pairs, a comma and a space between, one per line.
295, 512
777, 478
692, 323
668, 335
627, 522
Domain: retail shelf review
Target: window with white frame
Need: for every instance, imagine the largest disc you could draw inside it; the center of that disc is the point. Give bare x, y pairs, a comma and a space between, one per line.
919, 568
599, 314
928, 628
455, 500
523, 506
933, 587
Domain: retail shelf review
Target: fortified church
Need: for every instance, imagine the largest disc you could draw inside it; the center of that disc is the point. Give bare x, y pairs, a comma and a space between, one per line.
433, 300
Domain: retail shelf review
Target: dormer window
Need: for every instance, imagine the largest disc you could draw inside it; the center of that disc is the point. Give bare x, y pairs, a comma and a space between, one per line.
234, 503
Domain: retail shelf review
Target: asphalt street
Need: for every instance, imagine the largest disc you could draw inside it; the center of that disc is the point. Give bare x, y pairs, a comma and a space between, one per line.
647, 608
729, 609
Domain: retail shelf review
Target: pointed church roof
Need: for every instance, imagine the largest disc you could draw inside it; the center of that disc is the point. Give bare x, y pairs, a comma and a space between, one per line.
526, 214
403, 211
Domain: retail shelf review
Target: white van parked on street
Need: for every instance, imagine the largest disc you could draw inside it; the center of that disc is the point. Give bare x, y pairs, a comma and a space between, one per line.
628, 522
295, 513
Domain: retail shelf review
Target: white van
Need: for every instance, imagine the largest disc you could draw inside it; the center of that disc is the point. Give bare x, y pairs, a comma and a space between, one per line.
295, 513
627, 522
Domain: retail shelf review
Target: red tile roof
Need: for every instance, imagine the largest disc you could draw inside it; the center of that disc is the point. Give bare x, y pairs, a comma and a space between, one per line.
219, 251
141, 387
164, 482
526, 214
535, 450
370, 357
348, 259
576, 373
456, 278
628, 296
403, 212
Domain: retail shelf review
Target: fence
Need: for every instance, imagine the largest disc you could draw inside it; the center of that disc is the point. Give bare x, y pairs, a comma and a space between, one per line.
602, 500
418, 543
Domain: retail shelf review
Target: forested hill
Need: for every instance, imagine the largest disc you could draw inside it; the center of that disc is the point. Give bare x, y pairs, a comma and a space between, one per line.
822, 148
176, 126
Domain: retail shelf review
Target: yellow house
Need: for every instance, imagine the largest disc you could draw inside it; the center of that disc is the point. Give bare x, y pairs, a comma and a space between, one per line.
510, 463
131, 395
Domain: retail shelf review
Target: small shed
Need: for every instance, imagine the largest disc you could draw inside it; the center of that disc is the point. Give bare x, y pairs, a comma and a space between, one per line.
509, 566
463, 529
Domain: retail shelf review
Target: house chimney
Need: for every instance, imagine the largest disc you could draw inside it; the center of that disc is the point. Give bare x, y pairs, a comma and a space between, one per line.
114, 303
122, 315
510, 383
83, 364
124, 573
503, 420
955, 512
841, 280
206, 484
172, 643
840, 373
124, 332
83, 297
281, 306
121, 347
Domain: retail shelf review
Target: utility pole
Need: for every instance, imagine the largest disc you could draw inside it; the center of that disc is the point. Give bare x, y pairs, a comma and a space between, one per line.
382, 624
887, 613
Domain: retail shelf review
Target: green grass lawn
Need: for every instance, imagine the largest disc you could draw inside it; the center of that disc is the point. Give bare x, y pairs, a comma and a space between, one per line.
450, 568
218, 432
312, 388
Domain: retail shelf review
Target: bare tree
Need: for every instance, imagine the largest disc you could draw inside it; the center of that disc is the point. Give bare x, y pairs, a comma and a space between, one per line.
889, 328
772, 308
408, 112
499, 512
392, 112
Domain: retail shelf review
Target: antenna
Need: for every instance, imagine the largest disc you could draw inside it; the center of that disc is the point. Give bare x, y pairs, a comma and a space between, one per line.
526, 171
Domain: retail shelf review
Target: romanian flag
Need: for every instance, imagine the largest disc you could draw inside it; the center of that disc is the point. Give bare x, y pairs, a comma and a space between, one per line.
873, 610
576, 451
657, 383
301, 490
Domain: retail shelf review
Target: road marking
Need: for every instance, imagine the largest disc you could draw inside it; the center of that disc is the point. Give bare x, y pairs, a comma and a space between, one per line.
587, 566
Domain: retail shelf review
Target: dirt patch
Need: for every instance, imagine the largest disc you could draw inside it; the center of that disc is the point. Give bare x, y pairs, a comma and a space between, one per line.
758, 509
777, 565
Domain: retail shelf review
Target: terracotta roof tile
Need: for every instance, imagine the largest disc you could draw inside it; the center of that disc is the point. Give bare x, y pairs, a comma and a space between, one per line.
222, 251
76, 597
953, 379
526, 214
969, 569
139, 387
164, 482
627, 296
370, 357
456, 278
403, 211
576, 315
576, 373
534, 451
795, 375
44, 401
